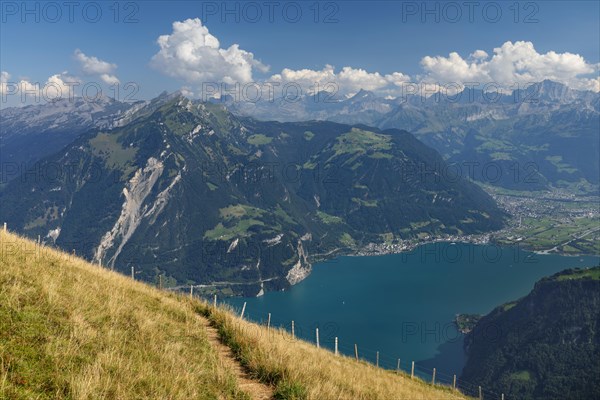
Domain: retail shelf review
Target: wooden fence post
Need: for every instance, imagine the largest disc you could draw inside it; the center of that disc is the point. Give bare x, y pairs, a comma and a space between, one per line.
191, 291
160, 285
454, 383
215, 301
502, 396
317, 334
480, 397
412, 371
356, 351
433, 378
133, 272
293, 333
377, 360
269, 323
398, 367
336, 346
5, 227
243, 309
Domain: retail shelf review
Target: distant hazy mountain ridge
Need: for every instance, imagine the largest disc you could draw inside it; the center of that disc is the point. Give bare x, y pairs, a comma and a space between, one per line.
30, 133
543, 135
536, 137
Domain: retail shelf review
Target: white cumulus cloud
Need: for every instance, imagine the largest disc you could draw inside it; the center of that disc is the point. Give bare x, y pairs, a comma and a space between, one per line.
195, 56
511, 63
91, 65
192, 54
61, 85
347, 81
24, 91
109, 79
479, 55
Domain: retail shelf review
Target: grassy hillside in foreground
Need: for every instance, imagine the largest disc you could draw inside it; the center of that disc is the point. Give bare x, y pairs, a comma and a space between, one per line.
71, 330
301, 371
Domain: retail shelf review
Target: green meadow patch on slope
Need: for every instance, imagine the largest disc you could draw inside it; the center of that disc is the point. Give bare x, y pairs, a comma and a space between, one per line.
106, 146
328, 218
359, 141
237, 219
259, 139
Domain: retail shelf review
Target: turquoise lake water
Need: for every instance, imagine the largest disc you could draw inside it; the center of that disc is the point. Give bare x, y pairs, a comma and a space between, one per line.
403, 305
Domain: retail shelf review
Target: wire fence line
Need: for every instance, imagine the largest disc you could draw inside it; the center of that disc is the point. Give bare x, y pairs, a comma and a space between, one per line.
310, 334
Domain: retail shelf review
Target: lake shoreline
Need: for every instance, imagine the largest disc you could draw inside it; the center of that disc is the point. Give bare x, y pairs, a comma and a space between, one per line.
405, 306
381, 249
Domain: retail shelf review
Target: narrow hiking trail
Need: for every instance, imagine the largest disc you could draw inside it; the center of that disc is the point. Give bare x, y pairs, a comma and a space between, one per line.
256, 389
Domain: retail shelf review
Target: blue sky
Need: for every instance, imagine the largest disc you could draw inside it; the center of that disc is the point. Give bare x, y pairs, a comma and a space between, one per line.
374, 37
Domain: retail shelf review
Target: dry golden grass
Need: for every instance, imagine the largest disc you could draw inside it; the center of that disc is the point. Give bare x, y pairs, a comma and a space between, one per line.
299, 370
71, 330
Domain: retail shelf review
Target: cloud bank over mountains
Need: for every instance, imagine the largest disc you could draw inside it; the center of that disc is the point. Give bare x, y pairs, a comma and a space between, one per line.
61, 85
512, 63
193, 55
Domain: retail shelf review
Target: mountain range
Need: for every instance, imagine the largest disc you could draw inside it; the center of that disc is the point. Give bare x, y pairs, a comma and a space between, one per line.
188, 193
544, 135
207, 193
30, 133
